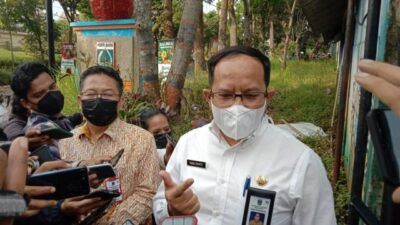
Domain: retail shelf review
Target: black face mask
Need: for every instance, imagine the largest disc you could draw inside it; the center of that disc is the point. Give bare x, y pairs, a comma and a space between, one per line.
52, 103
100, 112
161, 140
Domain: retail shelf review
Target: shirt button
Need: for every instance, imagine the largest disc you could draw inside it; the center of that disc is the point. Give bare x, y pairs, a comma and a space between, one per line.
216, 213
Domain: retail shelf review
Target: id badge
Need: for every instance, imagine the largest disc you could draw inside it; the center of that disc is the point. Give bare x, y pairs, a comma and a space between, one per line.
259, 207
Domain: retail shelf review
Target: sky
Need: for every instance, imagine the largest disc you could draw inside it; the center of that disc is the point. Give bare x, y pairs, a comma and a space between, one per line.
58, 11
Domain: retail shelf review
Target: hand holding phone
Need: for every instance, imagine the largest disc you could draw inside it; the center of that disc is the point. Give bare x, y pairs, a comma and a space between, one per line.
67, 182
102, 171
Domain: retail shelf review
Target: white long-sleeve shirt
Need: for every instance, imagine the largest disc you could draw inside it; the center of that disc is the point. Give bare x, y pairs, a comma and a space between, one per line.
303, 192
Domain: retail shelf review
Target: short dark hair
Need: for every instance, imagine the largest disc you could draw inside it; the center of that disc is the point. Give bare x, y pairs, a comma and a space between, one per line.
239, 50
21, 81
147, 114
104, 70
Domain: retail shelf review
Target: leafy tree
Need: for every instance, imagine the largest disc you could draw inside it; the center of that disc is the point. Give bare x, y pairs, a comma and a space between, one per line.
70, 10
31, 15
85, 13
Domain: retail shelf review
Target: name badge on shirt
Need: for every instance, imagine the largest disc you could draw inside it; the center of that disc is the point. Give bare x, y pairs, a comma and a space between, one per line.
195, 163
259, 207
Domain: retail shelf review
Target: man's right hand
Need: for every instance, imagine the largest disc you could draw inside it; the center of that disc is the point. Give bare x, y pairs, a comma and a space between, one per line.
77, 206
181, 200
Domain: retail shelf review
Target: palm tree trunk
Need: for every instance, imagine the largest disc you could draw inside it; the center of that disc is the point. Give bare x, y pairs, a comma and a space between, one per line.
247, 23
168, 28
199, 59
287, 39
223, 16
233, 23
271, 38
183, 49
148, 70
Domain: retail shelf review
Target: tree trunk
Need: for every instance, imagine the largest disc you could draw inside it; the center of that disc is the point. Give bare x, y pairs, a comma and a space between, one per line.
168, 27
183, 49
11, 48
297, 47
223, 16
232, 23
287, 39
148, 82
199, 60
271, 38
247, 23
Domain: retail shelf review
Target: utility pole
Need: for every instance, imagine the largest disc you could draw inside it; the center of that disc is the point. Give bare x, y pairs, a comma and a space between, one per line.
50, 33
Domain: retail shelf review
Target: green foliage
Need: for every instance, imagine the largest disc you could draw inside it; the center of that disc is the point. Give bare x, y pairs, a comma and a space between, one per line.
133, 106
7, 66
68, 85
210, 26
85, 11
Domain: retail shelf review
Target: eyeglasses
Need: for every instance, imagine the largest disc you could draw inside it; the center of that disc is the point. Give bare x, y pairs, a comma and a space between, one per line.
250, 99
106, 95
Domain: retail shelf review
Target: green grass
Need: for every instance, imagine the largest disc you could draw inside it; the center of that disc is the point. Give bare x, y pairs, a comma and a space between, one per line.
5, 55
305, 92
6, 65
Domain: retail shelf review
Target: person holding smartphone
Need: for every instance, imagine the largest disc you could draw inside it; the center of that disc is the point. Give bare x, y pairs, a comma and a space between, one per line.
36, 96
382, 80
104, 134
156, 122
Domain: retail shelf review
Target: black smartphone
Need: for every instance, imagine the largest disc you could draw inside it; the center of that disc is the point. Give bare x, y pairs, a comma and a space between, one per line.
103, 194
116, 158
384, 126
43, 153
68, 182
103, 171
56, 133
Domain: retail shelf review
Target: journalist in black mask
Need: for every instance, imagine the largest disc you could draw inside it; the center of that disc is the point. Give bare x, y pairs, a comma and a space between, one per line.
37, 98
156, 122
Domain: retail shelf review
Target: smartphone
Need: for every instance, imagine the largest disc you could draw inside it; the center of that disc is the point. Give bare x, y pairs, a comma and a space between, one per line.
182, 220
103, 194
116, 158
56, 133
103, 171
69, 182
43, 153
171, 141
384, 126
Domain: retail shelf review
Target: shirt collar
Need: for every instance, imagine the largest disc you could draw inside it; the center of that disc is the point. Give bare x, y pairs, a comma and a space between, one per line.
112, 130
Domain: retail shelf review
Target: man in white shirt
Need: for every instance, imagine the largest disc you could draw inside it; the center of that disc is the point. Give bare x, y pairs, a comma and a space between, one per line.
207, 172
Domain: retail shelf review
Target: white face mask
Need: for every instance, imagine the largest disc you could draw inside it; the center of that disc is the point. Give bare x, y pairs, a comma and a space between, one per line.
237, 121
